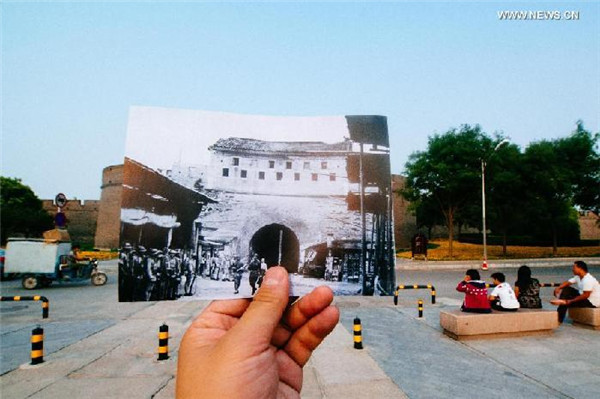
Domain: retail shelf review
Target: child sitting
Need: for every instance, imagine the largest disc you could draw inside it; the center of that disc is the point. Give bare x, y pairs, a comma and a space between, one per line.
476, 300
503, 297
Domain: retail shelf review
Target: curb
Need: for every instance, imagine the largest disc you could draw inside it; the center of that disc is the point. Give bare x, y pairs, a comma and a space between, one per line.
430, 265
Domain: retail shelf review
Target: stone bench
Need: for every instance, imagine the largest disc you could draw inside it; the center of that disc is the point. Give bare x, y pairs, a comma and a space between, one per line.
462, 325
586, 317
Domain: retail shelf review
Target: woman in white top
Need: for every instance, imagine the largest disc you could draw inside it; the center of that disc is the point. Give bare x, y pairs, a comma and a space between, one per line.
503, 297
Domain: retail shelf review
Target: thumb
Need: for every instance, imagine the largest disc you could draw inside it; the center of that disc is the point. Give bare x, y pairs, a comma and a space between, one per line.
264, 313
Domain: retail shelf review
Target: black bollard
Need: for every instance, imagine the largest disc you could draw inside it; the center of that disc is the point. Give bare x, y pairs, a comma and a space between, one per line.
357, 334
45, 305
420, 307
37, 345
163, 342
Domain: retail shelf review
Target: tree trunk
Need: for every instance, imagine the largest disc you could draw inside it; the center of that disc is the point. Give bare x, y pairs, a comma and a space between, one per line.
450, 222
554, 240
504, 243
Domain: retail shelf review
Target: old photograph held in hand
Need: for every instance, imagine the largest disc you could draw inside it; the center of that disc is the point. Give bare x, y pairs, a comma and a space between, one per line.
212, 200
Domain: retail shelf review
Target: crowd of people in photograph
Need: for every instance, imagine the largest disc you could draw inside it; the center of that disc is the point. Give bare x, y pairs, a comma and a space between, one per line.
151, 274
154, 274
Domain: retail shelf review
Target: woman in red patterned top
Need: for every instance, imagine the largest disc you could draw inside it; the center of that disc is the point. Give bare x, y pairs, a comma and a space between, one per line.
476, 299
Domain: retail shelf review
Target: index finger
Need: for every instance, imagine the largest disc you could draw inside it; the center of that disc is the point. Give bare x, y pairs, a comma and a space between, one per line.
300, 312
308, 306
306, 339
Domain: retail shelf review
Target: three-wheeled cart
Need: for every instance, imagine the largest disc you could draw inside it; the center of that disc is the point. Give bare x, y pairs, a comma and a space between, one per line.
40, 262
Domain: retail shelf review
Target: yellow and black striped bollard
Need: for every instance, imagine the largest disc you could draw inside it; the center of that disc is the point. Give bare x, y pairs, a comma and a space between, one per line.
163, 342
357, 334
45, 305
420, 304
37, 345
432, 288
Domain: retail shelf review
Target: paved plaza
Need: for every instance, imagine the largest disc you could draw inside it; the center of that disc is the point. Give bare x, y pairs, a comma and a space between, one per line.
97, 347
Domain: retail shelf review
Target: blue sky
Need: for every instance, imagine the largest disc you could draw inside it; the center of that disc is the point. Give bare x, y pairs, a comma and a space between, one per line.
70, 72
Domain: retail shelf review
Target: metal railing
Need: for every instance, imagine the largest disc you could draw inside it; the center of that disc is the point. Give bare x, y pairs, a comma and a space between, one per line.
45, 302
415, 287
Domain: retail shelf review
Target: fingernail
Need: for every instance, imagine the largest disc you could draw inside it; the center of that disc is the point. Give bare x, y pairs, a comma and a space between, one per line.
275, 276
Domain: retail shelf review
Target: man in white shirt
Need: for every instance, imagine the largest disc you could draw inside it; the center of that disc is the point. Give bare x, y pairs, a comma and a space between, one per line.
263, 270
586, 293
503, 297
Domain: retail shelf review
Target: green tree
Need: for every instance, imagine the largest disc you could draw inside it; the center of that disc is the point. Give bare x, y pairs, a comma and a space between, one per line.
427, 213
448, 173
506, 199
22, 212
580, 152
561, 174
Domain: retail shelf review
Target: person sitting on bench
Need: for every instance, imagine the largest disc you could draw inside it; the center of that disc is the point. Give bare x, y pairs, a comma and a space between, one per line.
587, 294
476, 300
527, 289
503, 297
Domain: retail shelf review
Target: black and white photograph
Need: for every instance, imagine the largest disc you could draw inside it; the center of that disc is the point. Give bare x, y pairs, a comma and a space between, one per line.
212, 200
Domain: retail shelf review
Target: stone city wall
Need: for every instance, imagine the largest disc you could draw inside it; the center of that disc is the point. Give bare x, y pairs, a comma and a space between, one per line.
108, 226
589, 228
405, 224
109, 215
81, 216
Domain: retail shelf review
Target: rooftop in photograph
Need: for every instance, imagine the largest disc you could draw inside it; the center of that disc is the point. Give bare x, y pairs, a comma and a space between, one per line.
237, 144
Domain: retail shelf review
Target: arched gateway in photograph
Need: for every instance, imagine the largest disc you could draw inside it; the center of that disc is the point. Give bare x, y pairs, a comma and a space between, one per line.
278, 245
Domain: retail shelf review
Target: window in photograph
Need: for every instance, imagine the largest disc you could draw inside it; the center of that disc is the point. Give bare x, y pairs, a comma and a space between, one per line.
306, 165
279, 175
332, 177
315, 177
297, 176
244, 174
236, 161
288, 165
324, 165
271, 164
261, 175
225, 172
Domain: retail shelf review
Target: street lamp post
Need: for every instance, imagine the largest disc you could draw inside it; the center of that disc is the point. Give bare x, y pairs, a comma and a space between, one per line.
484, 266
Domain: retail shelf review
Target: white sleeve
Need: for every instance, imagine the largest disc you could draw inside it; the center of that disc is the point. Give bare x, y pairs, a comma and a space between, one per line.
495, 291
588, 284
573, 280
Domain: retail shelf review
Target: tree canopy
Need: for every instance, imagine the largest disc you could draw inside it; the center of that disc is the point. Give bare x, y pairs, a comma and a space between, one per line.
507, 192
22, 212
448, 172
531, 192
561, 174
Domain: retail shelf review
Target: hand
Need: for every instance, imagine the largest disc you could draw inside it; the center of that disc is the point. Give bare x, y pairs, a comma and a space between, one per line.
252, 349
557, 291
